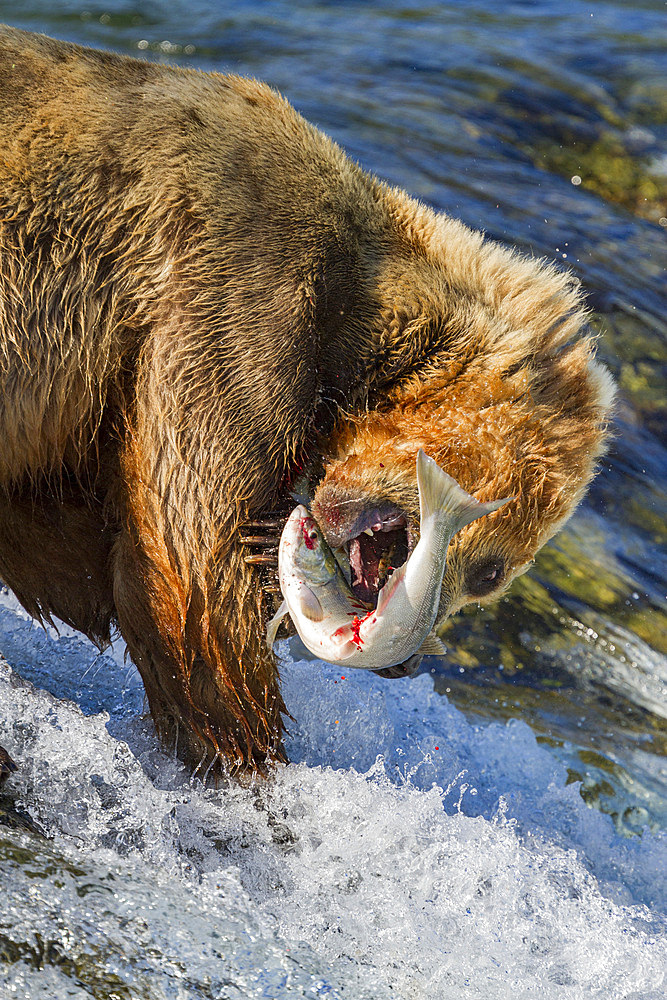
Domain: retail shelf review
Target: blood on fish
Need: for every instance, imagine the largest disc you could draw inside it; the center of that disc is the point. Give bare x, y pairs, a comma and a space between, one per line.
309, 539
352, 632
355, 626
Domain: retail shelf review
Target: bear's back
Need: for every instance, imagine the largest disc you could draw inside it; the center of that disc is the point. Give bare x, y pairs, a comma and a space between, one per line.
114, 174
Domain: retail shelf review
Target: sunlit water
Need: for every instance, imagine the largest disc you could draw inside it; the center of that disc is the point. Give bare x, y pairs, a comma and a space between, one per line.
494, 827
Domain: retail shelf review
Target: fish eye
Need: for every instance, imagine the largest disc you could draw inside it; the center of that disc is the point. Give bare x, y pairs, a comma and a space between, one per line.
309, 533
484, 576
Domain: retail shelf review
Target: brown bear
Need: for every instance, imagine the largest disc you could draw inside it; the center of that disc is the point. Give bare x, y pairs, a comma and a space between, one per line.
202, 300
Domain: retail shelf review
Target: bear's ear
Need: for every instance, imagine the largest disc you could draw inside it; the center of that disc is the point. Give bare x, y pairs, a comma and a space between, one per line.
483, 576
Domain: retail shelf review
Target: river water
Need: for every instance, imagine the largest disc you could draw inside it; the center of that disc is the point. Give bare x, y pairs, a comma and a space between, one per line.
496, 826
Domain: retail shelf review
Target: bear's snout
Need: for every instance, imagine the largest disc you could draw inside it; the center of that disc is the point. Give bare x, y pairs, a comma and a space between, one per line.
343, 517
373, 533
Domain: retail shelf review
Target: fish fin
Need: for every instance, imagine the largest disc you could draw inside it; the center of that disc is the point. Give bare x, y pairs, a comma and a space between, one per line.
438, 491
274, 625
432, 646
308, 605
389, 588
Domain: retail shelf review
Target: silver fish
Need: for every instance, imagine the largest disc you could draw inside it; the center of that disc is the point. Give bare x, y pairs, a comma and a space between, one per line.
331, 621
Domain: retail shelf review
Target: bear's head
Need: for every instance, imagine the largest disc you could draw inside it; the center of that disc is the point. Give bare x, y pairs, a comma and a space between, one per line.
533, 433
481, 357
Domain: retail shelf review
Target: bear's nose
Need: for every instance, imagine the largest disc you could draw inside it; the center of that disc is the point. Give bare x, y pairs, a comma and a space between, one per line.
337, 515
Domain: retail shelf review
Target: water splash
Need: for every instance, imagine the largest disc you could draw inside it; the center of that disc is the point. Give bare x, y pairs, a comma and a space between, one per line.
351, 875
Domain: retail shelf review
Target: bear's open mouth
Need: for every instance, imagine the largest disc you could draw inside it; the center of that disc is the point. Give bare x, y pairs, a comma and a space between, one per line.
374, 554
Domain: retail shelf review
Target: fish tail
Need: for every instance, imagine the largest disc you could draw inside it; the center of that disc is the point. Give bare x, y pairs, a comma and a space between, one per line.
439, 493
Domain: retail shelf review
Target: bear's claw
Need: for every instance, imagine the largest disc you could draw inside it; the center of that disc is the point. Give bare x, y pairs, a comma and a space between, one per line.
265, 559
261, 540
266, 543
268, 548
268, 523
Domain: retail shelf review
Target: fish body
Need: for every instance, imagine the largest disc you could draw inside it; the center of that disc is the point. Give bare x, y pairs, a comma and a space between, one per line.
317, 596
331, 622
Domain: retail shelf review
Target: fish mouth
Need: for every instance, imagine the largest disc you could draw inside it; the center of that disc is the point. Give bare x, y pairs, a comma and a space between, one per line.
382, 541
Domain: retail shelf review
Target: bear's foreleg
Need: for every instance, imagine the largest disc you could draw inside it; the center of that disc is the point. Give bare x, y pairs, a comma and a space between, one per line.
192, 610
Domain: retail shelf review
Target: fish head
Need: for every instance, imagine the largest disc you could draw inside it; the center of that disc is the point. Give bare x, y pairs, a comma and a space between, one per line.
304, 553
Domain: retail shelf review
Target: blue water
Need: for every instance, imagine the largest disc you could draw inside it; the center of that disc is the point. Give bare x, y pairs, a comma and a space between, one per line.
496, 826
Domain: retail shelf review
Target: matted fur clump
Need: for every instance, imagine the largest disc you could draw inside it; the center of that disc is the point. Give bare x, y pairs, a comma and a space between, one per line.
202, 298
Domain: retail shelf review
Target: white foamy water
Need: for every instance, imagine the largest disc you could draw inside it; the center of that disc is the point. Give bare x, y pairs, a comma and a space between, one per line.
406, 852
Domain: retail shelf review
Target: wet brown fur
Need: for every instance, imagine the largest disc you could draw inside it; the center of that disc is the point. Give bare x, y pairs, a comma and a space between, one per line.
200, 296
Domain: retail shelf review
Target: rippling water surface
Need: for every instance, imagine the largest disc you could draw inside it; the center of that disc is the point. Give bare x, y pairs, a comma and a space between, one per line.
496, 826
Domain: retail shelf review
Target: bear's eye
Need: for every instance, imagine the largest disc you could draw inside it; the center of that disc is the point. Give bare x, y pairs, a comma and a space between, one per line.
484, 576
